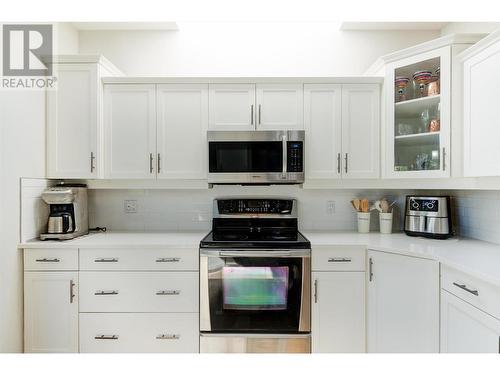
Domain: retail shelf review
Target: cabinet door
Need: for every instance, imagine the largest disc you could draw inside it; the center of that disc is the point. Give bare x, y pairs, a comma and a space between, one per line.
418, 116
466, 329
280, 107
361, 130
51, 312
322, 123
338, 312
130, 131
182, 117
403, 304
232, 107
481, 115
72, 122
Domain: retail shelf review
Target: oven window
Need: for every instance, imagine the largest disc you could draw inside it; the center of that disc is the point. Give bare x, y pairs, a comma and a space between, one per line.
255, 288
245, 157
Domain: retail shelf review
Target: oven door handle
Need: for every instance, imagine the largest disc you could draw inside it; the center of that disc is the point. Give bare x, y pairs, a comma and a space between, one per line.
256, 253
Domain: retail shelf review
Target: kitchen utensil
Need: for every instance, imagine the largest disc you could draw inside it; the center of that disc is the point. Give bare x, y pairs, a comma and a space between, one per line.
365, 205
384, 205
377, 206
356, 204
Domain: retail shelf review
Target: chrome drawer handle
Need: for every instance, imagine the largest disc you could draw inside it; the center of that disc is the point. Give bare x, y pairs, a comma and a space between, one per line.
106, 260
339, 260
106, 293
106, 337
167, 260
464, 287
168, 293
172, 336
47, 260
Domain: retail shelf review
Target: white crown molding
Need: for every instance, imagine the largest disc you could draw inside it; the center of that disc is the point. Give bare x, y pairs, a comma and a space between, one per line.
480, 45
305, 80
85, 59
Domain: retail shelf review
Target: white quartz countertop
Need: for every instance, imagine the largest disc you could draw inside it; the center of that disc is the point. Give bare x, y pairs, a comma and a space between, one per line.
122, 240
477, 258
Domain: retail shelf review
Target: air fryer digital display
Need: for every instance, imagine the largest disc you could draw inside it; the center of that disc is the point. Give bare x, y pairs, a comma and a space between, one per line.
424, 205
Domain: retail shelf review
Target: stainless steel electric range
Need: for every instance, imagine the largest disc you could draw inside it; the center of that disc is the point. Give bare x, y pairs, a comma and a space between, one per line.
255, 278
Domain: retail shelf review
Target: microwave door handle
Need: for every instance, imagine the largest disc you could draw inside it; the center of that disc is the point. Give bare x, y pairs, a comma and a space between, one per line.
283, 142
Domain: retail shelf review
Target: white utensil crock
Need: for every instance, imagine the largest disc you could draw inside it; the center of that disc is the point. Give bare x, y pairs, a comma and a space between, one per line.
363, 222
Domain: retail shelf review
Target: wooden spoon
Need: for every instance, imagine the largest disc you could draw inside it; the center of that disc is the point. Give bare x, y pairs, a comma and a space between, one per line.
365, 205
356, 204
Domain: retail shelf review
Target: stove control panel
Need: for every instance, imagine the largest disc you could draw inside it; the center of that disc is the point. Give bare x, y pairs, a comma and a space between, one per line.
255, 206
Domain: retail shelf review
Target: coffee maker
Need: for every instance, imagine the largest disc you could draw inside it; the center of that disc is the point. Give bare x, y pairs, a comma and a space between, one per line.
68, 215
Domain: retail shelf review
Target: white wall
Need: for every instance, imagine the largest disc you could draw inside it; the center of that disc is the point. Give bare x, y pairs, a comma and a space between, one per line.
22, 154
247, 49
470, 27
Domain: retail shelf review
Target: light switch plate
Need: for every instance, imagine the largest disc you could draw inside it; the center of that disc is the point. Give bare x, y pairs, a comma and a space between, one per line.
130, 206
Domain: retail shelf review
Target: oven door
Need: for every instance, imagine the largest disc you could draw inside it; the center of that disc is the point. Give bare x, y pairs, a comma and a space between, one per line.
255, 157
266, 291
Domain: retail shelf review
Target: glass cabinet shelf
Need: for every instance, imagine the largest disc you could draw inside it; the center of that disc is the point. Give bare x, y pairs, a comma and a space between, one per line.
414, 107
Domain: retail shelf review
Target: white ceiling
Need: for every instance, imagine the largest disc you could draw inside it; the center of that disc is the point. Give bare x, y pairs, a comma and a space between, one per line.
125, 26
351, 26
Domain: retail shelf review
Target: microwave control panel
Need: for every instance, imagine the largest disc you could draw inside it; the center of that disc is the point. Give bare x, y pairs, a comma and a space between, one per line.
295, 159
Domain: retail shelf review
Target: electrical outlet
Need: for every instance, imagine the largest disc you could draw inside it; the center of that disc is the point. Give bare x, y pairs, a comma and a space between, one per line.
330, 207
130, 206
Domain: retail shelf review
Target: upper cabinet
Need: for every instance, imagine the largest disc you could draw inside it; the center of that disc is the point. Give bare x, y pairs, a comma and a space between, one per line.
280, 106
481, 116
182, 122
232, 107
74, 117
130, 131
423, 86
256, 106
342, 123
155, 131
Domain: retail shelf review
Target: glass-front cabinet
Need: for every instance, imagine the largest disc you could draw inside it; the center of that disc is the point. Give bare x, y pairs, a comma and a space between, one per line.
418, 115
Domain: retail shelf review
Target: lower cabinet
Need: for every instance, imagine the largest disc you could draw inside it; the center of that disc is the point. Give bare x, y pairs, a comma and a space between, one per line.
403, 304
338, 312
139, 332
50, 312
466, 329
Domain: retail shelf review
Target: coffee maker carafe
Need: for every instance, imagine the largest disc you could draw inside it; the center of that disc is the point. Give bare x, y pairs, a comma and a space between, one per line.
68, 216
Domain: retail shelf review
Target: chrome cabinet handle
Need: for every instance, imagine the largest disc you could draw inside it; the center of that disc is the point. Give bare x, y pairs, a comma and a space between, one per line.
339, 260
251, 114
150, 163
168, 336
370, 269
106, 260
71, 291
48, 260
316, 291
259, 113
338, 163
168, 260
284, 161
168, 292
464, 287
346, 159
444, 158
158, 163
92, 159
106, 337
106, 293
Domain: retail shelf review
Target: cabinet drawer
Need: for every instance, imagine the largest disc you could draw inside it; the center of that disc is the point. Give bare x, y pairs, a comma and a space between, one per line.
140, 260
149, 333
338, 258
138, 292
50, 259
481, 294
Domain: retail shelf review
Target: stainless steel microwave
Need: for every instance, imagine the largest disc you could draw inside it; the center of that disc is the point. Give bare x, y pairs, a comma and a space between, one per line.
256, 157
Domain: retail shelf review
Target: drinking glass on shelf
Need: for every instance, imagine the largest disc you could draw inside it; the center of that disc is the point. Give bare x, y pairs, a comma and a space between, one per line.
424, 123
401, 84
422, 78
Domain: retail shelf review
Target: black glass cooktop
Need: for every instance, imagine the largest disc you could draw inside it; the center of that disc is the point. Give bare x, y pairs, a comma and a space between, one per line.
243, 240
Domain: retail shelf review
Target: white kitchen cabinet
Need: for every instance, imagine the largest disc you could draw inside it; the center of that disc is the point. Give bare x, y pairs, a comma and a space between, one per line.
403, 304
74, 117
130, 131
338, 312
466, 329
342, 124
323, 126
51, 312
481, 114
280, 106
182, 122
361, 130
231, 107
